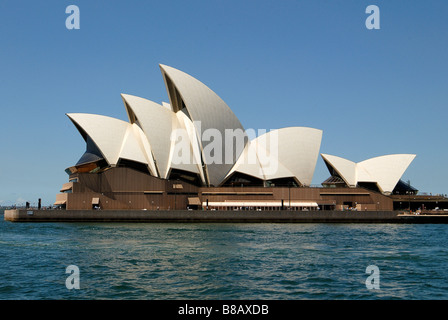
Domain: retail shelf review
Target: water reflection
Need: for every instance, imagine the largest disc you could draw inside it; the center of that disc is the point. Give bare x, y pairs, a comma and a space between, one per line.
223, 261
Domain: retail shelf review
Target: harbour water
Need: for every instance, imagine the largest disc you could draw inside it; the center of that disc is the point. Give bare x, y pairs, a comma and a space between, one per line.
205, 261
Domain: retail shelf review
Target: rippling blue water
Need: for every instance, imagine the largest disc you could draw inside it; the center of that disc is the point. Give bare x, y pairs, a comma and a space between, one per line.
222, 261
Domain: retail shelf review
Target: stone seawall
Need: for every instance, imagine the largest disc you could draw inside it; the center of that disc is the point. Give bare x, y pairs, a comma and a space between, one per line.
215, 216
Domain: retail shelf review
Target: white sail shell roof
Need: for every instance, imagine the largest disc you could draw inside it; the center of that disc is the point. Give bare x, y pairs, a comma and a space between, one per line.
116, 139
385, 171
191, 160
135, 147
287, 152
164, 129
150, 137
157, 122
346, 169
298, 149
249, 162
207, 111
107, 133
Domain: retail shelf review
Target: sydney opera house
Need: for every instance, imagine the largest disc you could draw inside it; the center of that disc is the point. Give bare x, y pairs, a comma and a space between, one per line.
193, 153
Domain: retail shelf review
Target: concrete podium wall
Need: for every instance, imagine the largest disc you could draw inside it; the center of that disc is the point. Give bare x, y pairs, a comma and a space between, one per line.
199, 216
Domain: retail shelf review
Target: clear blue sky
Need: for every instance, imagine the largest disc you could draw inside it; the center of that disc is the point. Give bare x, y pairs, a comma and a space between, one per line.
275, 63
